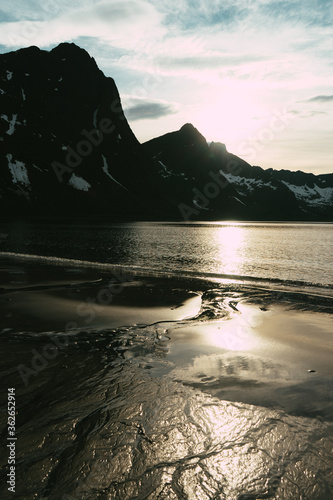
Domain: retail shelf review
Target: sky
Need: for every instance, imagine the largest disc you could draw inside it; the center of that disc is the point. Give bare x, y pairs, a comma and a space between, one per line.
256, 75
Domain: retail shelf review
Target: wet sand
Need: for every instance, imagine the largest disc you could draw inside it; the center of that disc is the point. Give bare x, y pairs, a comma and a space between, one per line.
280, 358
41, 299
158, 382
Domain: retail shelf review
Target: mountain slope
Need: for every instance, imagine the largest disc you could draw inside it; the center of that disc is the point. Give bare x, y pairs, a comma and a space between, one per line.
223, 185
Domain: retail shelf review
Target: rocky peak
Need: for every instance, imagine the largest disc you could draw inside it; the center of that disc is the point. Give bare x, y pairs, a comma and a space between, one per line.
190, 135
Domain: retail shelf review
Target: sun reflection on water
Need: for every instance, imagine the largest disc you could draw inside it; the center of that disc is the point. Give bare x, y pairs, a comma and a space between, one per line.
230, 243
236, 335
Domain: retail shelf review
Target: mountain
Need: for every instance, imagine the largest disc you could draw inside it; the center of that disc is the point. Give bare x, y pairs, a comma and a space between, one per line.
66, 146
221, 185
67, 150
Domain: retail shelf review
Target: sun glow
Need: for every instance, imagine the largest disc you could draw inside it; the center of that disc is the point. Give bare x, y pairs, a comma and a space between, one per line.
230, 116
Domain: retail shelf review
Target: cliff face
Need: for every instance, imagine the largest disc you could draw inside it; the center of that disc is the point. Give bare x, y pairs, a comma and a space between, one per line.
66, 150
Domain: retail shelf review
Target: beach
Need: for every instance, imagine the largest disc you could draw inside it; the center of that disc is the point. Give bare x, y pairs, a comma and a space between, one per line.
136, 386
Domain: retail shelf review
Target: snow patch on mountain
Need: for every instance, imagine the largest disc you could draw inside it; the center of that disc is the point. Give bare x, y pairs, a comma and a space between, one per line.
249, 184
95, 118
239, 201
314, 196
11, 123
9, 75
197, 205
79, 183
19, 171
106, 170
165, 172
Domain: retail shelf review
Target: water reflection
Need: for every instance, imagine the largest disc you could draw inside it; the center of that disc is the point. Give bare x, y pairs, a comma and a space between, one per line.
230, 253
257, 250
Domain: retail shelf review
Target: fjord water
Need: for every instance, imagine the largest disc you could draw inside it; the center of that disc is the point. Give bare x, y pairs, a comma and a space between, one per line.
282, 251
191, 383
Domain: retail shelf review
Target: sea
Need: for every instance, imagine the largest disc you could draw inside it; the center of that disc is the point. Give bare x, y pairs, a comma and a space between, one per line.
294, 253
150, 409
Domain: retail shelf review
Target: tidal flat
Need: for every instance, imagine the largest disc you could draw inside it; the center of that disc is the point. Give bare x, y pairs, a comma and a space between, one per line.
136, 386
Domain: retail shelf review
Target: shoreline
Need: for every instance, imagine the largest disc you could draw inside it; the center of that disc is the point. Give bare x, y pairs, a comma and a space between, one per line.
36, 301
26, 285
104, 269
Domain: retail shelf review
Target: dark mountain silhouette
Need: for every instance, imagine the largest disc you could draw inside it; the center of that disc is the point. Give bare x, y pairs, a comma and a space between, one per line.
67, 150
226, 186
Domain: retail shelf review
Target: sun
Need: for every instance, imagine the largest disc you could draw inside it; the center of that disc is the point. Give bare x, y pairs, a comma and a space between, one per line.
231, 115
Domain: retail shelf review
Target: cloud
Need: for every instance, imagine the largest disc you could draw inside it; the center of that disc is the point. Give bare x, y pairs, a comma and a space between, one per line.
36, 10
139, 109
307, 114
209, 61
310, 114
189, 14
112, 13
6, 17
125, 23
315, 113
235, 14
300, 12
321, 98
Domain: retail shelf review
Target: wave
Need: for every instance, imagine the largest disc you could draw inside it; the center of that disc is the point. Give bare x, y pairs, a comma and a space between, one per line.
296, 285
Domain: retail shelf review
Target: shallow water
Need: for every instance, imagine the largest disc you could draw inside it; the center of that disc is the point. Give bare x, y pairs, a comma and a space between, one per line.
193, 397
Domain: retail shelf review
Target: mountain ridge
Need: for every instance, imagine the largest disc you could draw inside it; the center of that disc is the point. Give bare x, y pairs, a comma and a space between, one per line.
67, 150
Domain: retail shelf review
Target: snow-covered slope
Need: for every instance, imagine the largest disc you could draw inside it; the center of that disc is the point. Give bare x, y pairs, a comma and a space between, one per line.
309, 195
315, 196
